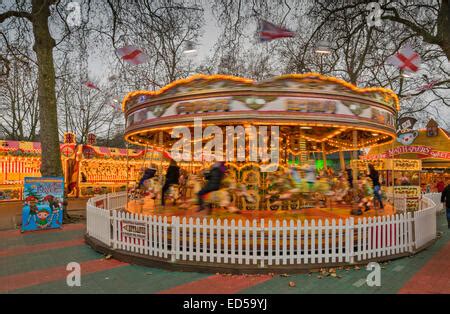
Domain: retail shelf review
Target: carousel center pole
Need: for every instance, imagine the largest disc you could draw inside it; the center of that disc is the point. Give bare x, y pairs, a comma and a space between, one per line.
355, 171
342, 160
324, 156
161, 142
127, 177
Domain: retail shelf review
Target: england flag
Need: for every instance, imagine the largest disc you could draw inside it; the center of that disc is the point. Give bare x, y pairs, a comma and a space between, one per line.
91, 85
406, 59
269, 31
132, 55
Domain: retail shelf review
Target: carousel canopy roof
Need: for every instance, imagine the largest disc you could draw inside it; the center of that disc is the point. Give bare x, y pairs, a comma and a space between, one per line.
327, 109
211, 82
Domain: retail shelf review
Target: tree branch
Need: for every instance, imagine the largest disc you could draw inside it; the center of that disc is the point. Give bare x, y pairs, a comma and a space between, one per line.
8, 14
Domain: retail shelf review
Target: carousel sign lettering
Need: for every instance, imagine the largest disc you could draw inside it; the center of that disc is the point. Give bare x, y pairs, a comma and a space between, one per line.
421, 150
209, 105
311, 106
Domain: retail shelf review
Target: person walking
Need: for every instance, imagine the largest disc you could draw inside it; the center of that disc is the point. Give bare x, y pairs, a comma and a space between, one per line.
440, 186
172, 177
375, 177
445, 199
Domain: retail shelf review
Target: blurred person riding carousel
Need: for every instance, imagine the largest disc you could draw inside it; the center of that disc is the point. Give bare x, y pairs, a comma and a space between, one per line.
172, 180
214, 179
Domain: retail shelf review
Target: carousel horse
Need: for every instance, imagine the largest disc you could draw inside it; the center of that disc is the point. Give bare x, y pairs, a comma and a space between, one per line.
153, 188
148, 174
321, 190
341, 190
363, 195
173, 194
222, 198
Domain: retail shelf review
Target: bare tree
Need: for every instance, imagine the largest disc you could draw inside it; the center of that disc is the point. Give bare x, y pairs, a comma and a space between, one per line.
19, 109
37, 13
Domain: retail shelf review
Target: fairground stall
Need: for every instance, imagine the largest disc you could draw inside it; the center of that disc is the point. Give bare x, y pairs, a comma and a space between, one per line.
88, 169
100, 170
23, 159
431, 145
274, 211
391, 173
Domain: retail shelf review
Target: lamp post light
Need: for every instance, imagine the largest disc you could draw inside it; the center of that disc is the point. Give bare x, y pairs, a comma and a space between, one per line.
189, 48
323, 47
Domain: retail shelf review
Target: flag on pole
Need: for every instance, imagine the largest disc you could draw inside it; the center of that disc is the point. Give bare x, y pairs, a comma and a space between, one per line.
405, 59
91, 85
269, 31
132, 55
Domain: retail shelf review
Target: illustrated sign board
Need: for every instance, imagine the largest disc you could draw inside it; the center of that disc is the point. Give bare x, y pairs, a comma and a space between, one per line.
403, 164
388, 164
421, 151
412, 196
43, 198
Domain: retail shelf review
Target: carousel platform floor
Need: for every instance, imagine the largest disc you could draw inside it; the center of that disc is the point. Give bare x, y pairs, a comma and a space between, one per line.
336, 211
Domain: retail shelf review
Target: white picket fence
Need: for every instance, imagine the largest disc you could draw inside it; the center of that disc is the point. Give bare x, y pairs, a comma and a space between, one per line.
261, 243
436, 198
398, 200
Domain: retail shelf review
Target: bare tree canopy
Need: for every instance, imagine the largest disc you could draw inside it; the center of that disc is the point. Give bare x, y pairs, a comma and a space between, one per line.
45, 60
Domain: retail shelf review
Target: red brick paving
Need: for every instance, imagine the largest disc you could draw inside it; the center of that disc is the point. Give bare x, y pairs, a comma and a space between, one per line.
16, 233
23, 280
218, 284
25, 249
434, 277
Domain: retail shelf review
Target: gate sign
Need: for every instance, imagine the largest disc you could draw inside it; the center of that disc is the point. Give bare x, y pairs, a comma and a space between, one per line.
133, 229
43, 198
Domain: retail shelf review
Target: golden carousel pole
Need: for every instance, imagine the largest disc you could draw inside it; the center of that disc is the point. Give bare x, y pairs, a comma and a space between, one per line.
127, 176
342, 159
324, 156
161, 142
393, 177
355, 169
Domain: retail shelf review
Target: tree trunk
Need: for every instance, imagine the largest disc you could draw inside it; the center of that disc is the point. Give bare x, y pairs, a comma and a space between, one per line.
43, 46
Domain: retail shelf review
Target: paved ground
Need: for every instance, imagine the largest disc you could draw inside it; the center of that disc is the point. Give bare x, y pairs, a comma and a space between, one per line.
36, 263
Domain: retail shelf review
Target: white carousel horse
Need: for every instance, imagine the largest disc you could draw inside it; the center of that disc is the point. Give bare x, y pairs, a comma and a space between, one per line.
173, 194
222, 198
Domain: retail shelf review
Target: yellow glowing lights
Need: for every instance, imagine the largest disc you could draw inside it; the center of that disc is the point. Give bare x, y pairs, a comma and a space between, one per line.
388, 94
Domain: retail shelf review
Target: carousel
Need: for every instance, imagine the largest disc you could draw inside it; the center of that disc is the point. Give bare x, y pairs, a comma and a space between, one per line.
271, 136
276, 205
